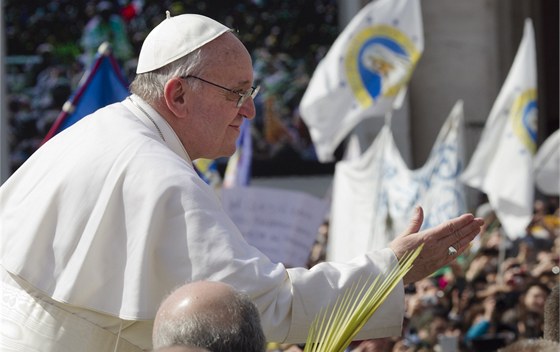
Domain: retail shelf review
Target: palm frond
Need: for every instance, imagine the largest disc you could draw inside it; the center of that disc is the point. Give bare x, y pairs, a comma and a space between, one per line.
334, 328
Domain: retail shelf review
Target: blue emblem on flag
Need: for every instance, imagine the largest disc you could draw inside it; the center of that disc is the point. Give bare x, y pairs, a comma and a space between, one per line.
524, 119
379, 63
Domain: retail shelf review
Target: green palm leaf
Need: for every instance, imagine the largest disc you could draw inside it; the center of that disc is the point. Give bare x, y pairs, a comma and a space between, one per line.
335, 328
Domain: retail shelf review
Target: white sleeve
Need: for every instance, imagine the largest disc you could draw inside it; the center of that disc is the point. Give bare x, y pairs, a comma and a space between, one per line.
288, 299
320, 286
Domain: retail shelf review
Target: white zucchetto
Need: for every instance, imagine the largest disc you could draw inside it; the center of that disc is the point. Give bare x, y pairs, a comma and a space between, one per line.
176, 37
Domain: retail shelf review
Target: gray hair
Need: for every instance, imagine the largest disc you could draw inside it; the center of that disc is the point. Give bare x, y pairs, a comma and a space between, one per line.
149, 86
235, 327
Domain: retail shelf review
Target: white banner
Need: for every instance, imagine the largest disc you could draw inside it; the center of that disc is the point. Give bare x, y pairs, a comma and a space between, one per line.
282, 224
374, 197
355, 195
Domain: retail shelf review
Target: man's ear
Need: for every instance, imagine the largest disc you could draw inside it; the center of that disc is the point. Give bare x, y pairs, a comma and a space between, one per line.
175, 94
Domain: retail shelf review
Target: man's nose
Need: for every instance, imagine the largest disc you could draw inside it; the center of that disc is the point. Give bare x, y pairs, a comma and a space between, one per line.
248, 108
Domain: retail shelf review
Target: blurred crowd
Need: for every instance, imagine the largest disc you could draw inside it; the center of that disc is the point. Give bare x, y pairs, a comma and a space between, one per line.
50, 44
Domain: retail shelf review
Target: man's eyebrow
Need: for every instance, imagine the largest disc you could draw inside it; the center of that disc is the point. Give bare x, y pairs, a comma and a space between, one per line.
245, 82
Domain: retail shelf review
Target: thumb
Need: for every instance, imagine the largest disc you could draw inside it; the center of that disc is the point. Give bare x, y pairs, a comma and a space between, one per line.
415, 222
402, 243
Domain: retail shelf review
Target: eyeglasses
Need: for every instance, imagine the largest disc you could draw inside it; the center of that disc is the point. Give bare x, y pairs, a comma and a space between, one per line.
251, 92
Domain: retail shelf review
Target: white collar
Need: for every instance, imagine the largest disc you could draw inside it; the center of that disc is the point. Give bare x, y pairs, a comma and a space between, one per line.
155, 122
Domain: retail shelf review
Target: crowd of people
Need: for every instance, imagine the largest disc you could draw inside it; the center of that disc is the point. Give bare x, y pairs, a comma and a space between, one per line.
53, 42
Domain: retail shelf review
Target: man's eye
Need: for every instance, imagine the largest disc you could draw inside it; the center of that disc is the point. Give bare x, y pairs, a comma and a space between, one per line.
232, 96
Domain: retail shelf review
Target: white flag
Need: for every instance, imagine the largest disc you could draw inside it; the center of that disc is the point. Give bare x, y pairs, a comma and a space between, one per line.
501, 165
374, 197
547, 165
364, 70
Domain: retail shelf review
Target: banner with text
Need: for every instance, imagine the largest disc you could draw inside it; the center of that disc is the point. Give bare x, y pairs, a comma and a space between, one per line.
282, 224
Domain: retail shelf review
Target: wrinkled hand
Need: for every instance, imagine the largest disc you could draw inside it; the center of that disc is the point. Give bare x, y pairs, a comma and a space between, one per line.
457, 232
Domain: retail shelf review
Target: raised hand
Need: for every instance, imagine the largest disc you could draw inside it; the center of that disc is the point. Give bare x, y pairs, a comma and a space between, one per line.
442, 243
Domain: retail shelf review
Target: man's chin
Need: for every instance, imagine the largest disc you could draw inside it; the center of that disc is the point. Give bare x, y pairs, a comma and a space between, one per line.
226, 153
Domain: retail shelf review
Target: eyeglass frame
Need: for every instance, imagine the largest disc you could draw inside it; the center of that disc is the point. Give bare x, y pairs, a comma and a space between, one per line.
251, 92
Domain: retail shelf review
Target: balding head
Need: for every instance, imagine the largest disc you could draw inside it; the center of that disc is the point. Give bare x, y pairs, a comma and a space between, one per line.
178, 348
195, 298
210, 315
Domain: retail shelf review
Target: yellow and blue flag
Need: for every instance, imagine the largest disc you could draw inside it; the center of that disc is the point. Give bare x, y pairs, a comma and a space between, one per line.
361, 76
502, 163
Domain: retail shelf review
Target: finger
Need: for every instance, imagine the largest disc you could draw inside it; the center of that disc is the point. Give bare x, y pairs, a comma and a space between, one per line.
463, 236
448, 228
455, 229
415, 221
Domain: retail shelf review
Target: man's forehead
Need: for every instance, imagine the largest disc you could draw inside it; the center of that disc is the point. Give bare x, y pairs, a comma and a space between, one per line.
227, 56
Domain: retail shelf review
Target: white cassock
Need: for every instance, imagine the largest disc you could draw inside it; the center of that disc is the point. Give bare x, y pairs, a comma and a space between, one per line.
109, 216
